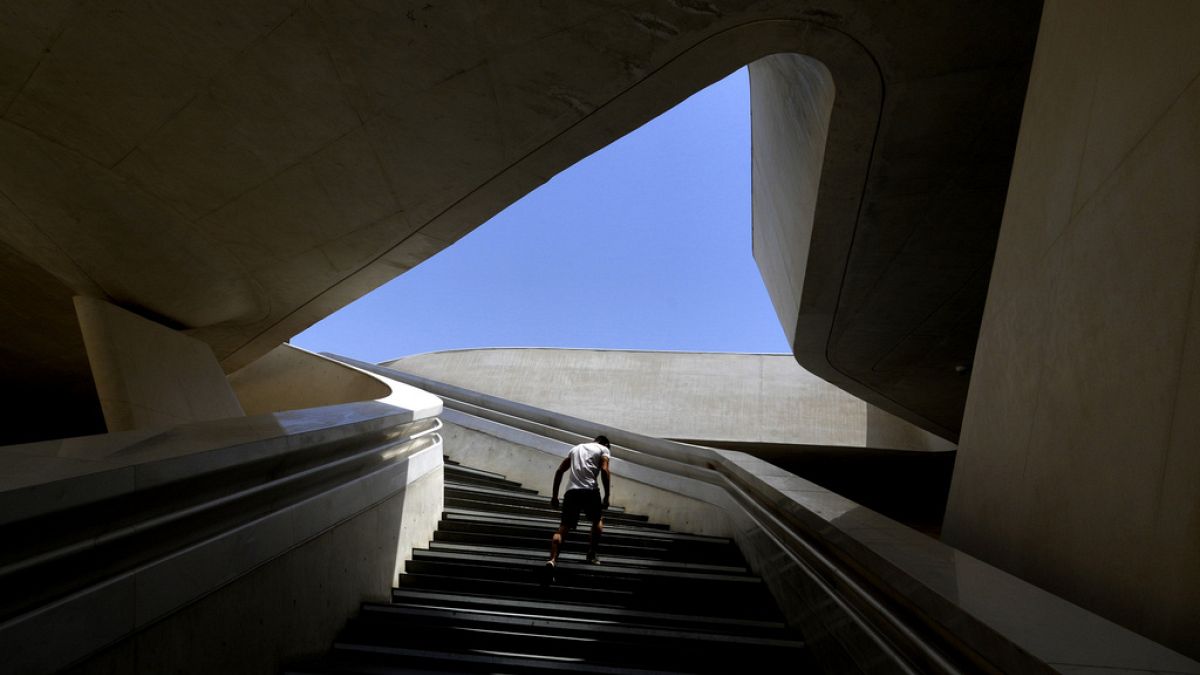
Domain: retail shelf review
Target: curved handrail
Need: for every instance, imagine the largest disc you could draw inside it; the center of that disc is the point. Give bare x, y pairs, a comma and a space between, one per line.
926, 627
146, 501
69, 535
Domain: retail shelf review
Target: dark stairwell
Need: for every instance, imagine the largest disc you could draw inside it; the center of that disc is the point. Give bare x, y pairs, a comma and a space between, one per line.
479, 598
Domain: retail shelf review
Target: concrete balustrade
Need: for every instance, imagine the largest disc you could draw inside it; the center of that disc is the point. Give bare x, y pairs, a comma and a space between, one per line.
223, 546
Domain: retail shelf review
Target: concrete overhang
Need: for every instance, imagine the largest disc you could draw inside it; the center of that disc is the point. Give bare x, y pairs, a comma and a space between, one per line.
242, 171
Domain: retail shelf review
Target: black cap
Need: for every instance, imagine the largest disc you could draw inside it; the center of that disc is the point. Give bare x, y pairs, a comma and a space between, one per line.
603, 440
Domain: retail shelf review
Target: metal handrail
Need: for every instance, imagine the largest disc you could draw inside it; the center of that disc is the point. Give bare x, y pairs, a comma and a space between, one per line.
59, 553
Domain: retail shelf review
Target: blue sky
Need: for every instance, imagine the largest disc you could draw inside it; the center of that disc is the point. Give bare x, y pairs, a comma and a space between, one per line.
643, 245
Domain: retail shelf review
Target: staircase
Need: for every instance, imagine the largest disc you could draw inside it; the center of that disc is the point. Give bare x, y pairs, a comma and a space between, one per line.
480, 598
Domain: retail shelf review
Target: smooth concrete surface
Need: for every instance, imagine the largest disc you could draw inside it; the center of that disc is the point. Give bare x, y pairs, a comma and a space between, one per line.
885, 430
76, 626
148, 375
792, 98
292, 606
758, 398
1079, 467
289, 378
241, 171
989, 609
880, 282
36, 475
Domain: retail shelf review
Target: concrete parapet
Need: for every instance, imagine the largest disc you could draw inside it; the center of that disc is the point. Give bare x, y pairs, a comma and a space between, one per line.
698, 396
175, 549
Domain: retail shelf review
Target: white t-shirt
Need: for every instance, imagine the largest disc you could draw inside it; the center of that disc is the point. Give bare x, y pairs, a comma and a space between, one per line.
585, 465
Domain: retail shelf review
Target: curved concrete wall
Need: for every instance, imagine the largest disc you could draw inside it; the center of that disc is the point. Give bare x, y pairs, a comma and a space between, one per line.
791, 98
880, 282
757, 398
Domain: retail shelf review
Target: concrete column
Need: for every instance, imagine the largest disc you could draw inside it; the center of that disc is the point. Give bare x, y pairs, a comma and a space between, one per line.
1079, 461
149, 375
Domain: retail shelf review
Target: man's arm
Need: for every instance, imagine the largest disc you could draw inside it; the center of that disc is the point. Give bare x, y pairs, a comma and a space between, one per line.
606, 478
562, 468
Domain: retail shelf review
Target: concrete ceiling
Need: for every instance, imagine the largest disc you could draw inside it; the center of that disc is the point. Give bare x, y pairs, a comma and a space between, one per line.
241, 170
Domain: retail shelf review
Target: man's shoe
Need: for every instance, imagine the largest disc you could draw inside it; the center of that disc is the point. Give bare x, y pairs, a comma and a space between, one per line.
593, 560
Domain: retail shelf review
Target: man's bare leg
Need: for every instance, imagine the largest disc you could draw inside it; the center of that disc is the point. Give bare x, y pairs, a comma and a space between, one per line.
597, 530
555, 542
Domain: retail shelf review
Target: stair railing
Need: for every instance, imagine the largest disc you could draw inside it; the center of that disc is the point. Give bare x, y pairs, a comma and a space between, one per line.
96, 549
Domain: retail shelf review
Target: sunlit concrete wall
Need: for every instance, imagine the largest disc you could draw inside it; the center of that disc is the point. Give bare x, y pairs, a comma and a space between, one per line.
758, 398
792, 97
1079, 463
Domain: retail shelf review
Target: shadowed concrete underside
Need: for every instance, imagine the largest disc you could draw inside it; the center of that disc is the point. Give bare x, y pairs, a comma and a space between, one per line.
294, 156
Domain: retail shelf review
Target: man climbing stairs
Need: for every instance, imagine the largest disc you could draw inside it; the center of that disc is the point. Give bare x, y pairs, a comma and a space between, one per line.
480, 599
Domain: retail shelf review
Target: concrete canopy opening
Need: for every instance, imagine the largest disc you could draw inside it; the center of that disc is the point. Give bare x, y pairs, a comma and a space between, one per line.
305, 155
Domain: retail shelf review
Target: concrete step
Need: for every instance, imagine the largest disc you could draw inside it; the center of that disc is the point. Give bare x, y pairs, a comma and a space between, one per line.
532, 588
480, 599
459, 631
506, 497
539, 511
566, 590
468, 476
356, 659
598, 613
514, 489
550, 623
643, 589
604, 575
576, 543
550, 520
460, 470
608, 557
502, 532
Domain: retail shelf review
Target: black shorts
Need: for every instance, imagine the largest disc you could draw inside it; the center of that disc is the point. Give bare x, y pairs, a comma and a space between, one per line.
575, 501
